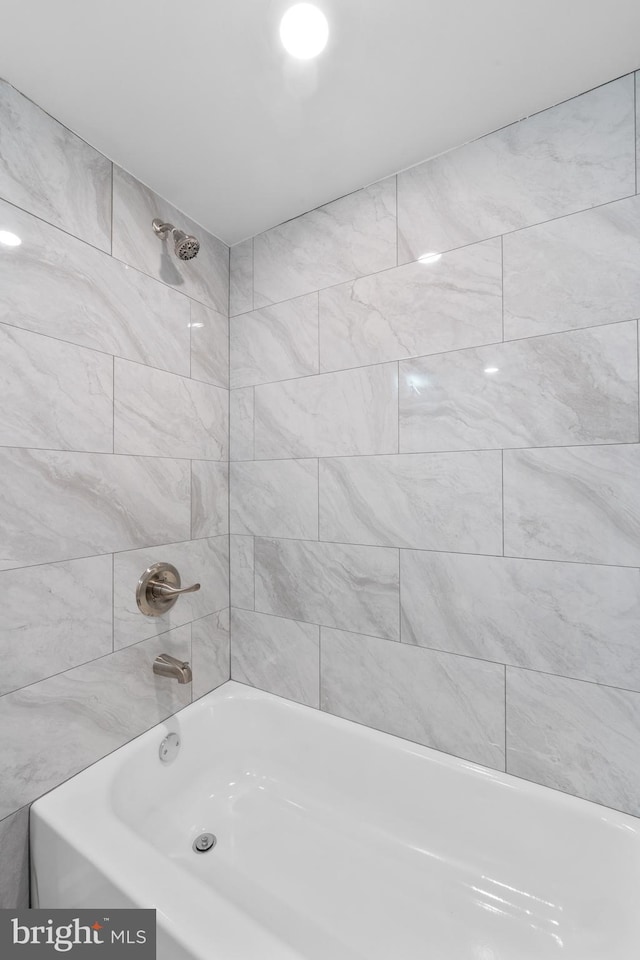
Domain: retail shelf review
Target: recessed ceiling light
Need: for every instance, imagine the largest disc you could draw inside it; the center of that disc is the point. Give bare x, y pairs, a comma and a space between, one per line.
304, 31
429, 258
492, 370
9, 239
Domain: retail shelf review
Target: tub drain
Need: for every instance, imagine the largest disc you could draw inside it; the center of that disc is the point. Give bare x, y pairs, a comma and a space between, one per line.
204, 843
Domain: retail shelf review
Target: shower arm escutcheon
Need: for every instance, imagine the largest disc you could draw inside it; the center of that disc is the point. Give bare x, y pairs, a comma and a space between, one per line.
159, 588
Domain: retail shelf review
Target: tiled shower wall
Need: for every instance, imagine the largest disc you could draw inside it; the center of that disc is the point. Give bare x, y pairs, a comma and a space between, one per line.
113, 455
435, 477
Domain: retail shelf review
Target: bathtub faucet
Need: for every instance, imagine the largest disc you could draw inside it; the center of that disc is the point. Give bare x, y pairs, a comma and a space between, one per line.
167, 666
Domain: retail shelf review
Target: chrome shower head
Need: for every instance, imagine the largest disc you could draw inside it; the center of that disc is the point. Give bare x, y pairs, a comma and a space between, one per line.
186, 247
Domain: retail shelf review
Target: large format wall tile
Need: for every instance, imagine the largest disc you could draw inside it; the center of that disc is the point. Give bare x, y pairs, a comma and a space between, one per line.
14, 876
275, 343
53, 617
334, 414
580, 271
573, 156
241, 550
160, 414
54, 395
278, 655
450, 501
577, 387
241, 418
578, 620
209, 498
451, 703
56, 285
49, 171
59, 506
275, 498
241, 277
198, 561
328, 583
210, 654
581, 503
55, 728
205, 278
348, 238
416, 309
209, 345
578, 737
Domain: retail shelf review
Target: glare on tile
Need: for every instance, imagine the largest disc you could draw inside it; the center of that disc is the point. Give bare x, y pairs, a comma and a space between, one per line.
9, 239
429, 258
492, 370
195, 326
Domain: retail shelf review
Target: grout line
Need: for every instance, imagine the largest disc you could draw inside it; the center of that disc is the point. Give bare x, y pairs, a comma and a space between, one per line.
502, 494
112, 198
113, 602
636, 81
253, 274
397, 226
505, 718
319, 667
318, 475
254, 573
502, 284
113, 407
319, 361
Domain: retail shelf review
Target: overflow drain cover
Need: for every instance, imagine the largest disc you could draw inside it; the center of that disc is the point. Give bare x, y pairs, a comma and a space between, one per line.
204, 843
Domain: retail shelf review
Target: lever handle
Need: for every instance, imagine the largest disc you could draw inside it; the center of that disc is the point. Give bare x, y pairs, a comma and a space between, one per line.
161, 589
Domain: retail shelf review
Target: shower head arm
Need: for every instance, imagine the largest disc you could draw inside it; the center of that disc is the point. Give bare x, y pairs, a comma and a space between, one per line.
162, 229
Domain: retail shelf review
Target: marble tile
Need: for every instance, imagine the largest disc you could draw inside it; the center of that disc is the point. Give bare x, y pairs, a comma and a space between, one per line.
56, 285
49, 171
55, 728
205, 278
209, 345
278, 655
334, 414
210, 652
415, 309
578, 737
159, 414
275, 343
241, 277
14, 861
60, 506
241, 416
329, 583
209, 498
347, 238
55, 395
242, 572
53, 617
450, 501
637, 128
451, 703
579, 271
578, 504
275, 498
575, 155
568, 388
198, 561
576, 620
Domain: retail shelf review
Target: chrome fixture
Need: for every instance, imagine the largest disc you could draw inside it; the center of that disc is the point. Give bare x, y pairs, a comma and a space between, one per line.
159, 588
185, 246
169, 747
204, 843
167, 666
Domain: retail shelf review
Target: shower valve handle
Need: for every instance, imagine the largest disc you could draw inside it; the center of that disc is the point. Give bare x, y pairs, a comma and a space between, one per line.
161, 589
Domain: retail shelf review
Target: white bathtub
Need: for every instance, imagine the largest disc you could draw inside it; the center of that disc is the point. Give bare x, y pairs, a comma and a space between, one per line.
335, 842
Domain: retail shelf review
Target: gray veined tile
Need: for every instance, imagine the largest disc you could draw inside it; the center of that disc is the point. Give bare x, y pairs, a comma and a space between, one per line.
578, 387
578, 737
275, 343
198, 561
14, 874
241, 277
450, 501
578, 504
56, 285
577, 620
205, 278
347, 238
210, 656
275, 654
54, 395
49, 171
334, 414
579, 271
53, 617
416, 309
55, 728
160, 414
275, 498
333, 584
209, 498
241, 418
60, 505
241, 550
575, 155
451, 703
209, 345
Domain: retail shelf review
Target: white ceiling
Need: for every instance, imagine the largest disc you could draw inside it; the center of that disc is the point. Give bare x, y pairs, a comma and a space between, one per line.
198, 99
